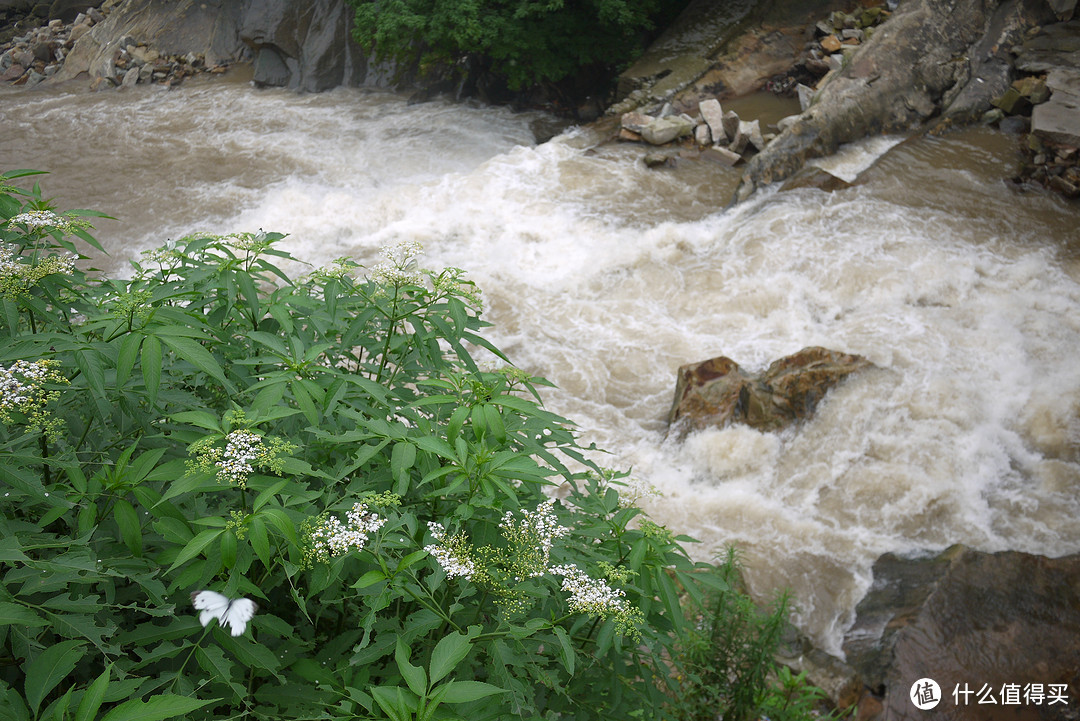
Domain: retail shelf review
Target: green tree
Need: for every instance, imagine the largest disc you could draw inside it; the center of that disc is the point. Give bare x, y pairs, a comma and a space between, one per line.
524, 41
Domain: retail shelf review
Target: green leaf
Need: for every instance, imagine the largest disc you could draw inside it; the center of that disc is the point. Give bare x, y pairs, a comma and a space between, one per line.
465, 691
401, 459
156, 708
259, 541
129, 350
94, 695
195, 546
396, 702
49, 669
151, 366
12, 614
127, 520
566, 650
194, 353
414, 675
448, 653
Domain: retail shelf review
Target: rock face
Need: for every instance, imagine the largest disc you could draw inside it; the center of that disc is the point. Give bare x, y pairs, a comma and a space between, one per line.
303, 46
934, 59
310, 40
1003, 626
717, 392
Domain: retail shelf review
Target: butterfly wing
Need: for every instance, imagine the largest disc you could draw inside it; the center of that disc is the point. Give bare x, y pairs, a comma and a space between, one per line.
211, 604
237, 615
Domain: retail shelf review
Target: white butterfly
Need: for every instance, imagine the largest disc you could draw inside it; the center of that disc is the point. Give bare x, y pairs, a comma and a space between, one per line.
232, 612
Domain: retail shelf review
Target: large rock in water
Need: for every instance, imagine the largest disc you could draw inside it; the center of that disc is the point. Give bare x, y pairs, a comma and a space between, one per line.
717, 392
940, 60
1004, 626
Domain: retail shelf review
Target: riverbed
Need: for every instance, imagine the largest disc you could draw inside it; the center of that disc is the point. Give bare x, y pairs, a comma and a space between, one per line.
604, 276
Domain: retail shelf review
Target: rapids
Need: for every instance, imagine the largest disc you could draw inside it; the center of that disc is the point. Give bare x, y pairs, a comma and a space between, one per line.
603, 277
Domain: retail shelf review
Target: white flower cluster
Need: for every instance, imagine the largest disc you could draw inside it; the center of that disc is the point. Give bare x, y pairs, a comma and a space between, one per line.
334, 538
241, 448
34, 219
587, 594
452, 554
634, 491
22, 389
400, 266
532, 537
596, 598
16, 276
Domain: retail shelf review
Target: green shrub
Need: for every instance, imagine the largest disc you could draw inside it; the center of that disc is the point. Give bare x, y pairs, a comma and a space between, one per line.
525, 42
326, 447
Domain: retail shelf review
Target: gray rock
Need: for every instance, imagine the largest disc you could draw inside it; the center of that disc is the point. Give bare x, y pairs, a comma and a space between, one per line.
635, 122
739, 142
131, 77
731, 124
806, 95
33, 78
270, 69
903, 77
752, 130
146, 73
664, 130
784, 123
720, 154
1058, 119
713, 114
702, 134
95, 15
967, 620
658, 160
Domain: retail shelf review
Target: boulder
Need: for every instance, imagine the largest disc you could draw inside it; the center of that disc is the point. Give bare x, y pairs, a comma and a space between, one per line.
985, 626
716, 392
909, 71
635, 122
664, 130
312, 39
720, 154
713, 115
1058, 119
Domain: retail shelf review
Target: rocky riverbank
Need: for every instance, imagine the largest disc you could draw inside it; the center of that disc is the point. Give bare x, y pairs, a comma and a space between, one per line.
40, 51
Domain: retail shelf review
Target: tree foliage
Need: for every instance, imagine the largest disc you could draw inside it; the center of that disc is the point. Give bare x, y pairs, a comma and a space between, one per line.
523, 41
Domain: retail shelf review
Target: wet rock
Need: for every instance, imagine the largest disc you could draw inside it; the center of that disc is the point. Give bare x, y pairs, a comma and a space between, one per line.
731, 124
830, 44
713, 114
131, 77
908, 73
716, 392
1058, 119
1014, 125
968, 619
720, 154
14, 72
659, 160
635, 122
814, 177
664, 130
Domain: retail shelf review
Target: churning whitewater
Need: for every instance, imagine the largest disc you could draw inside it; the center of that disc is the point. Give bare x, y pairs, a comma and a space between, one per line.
604, 277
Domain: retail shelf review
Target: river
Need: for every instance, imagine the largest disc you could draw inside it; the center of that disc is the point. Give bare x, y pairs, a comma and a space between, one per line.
604, 277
